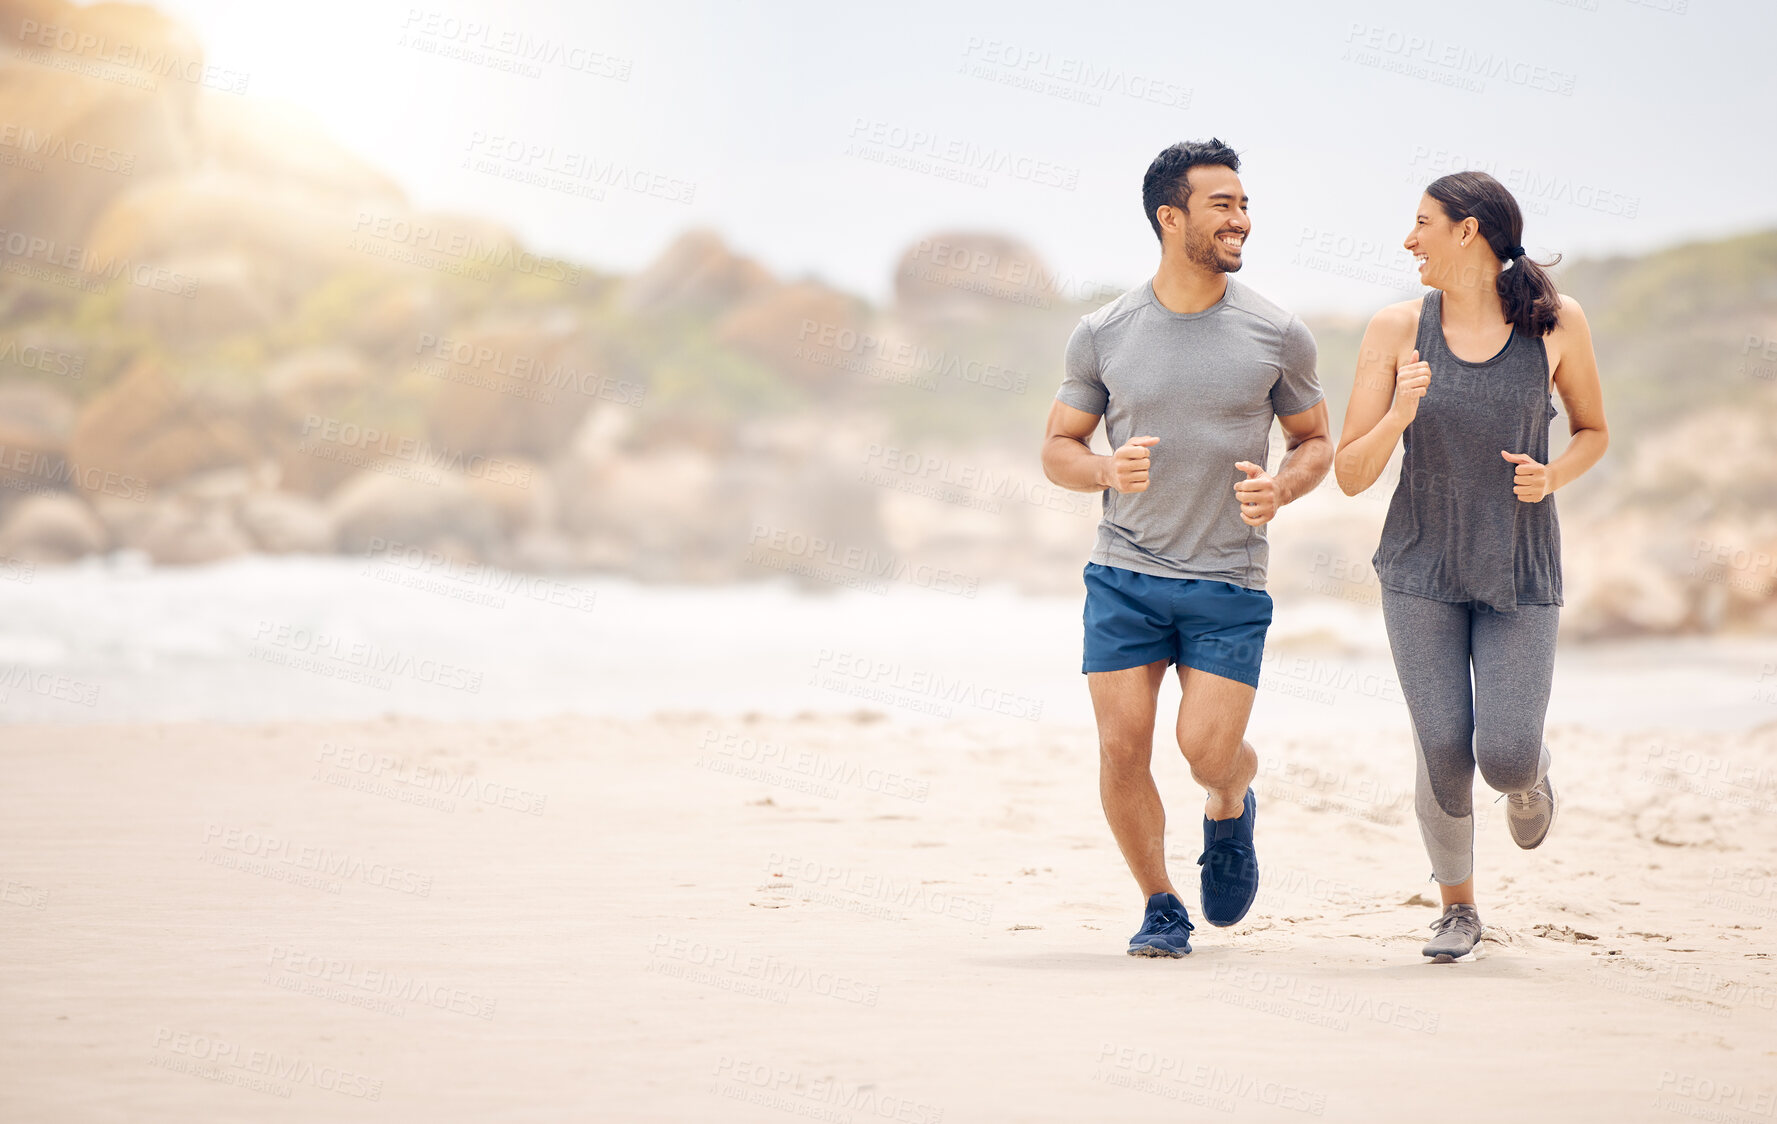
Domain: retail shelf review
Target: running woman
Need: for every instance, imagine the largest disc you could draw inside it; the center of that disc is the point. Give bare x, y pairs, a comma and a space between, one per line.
1470, 557
1186, 372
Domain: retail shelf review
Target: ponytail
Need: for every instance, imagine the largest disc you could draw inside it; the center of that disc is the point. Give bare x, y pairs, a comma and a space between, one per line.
1528, 294
1526, 291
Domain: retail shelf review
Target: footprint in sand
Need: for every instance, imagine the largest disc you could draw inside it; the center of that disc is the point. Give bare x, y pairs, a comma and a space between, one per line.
1561, 933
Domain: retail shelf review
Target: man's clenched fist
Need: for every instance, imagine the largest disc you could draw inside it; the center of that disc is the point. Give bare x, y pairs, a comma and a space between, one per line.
1257, 494
1127, 470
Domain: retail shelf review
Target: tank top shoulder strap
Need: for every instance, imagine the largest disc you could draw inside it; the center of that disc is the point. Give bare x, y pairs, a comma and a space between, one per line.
1543, 367
1430, 338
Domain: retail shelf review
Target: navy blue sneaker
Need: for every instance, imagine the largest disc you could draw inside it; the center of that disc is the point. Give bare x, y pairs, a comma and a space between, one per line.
1230, 866
1165, 931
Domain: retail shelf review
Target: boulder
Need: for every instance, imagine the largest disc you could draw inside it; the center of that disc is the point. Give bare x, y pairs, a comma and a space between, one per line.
653, 512
16, 15
287, 523
972, 276
35, 421
375, 509
697, 273
1619, 593
146, 430
197, 298
542, 551
292, 237
224, 487
51, 528
806, 477
518, 491
397, 319
515, 386
124, 518
90, 137
316, 380
805, 330
179, 532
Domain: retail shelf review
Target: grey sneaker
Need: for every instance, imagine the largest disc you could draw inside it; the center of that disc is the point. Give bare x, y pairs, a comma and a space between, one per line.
1531, 814
1456, 934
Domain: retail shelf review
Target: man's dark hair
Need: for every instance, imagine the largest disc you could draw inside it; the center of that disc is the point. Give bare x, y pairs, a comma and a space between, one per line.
1166, 185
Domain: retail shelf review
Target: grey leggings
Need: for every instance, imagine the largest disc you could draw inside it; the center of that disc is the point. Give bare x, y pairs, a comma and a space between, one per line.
1498, 723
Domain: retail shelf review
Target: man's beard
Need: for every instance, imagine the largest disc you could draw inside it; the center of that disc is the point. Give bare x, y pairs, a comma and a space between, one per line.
1206, 252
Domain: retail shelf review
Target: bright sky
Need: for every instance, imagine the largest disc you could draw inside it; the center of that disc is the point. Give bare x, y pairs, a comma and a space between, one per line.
823, 138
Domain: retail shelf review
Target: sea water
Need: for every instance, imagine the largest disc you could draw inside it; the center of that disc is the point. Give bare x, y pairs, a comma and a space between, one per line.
324, 638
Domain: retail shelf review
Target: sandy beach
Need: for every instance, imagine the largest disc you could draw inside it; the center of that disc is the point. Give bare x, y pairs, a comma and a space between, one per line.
850, 918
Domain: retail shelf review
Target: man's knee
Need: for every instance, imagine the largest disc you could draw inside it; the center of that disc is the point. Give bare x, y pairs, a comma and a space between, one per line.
1213, 758
1125, 751
1205, 745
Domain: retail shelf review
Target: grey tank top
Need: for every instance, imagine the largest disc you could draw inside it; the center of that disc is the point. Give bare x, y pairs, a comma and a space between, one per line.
1455, 530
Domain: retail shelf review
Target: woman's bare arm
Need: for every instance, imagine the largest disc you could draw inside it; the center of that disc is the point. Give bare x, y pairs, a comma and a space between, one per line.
1385, 395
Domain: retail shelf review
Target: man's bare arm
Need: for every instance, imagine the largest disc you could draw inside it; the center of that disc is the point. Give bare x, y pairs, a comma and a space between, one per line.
1070, 462
1310, 454
1304, 466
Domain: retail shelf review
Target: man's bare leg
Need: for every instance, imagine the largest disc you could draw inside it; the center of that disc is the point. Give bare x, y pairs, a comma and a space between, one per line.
1125, 702
1212, 736
1212, 719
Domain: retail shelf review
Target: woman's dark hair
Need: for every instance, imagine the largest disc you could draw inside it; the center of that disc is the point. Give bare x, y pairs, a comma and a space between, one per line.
1525, 288
1166, 185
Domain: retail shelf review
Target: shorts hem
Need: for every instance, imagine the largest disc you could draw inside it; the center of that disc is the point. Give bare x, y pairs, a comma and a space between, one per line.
1249, 676
1117, 664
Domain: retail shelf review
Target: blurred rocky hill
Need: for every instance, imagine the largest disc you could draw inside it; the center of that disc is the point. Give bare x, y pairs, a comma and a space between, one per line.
222, 333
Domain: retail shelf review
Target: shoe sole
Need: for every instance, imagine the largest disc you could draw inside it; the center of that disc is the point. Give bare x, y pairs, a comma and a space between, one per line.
1236, 920
1153, 951
1444, 958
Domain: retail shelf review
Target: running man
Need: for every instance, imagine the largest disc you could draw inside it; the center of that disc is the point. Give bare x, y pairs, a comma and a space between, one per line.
1187, 372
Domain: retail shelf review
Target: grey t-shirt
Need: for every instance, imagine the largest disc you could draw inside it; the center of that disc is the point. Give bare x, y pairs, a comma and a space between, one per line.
1208, 385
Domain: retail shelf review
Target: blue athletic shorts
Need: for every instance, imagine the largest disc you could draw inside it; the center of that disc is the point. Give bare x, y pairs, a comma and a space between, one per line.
1134, 619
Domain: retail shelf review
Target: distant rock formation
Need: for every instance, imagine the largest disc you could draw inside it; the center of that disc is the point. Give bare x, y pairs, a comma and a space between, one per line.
1675, 539
122, 132
35, 421
697, 273
51, 528
970, 276
516, 385
805, 329
259, 345
149, 430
